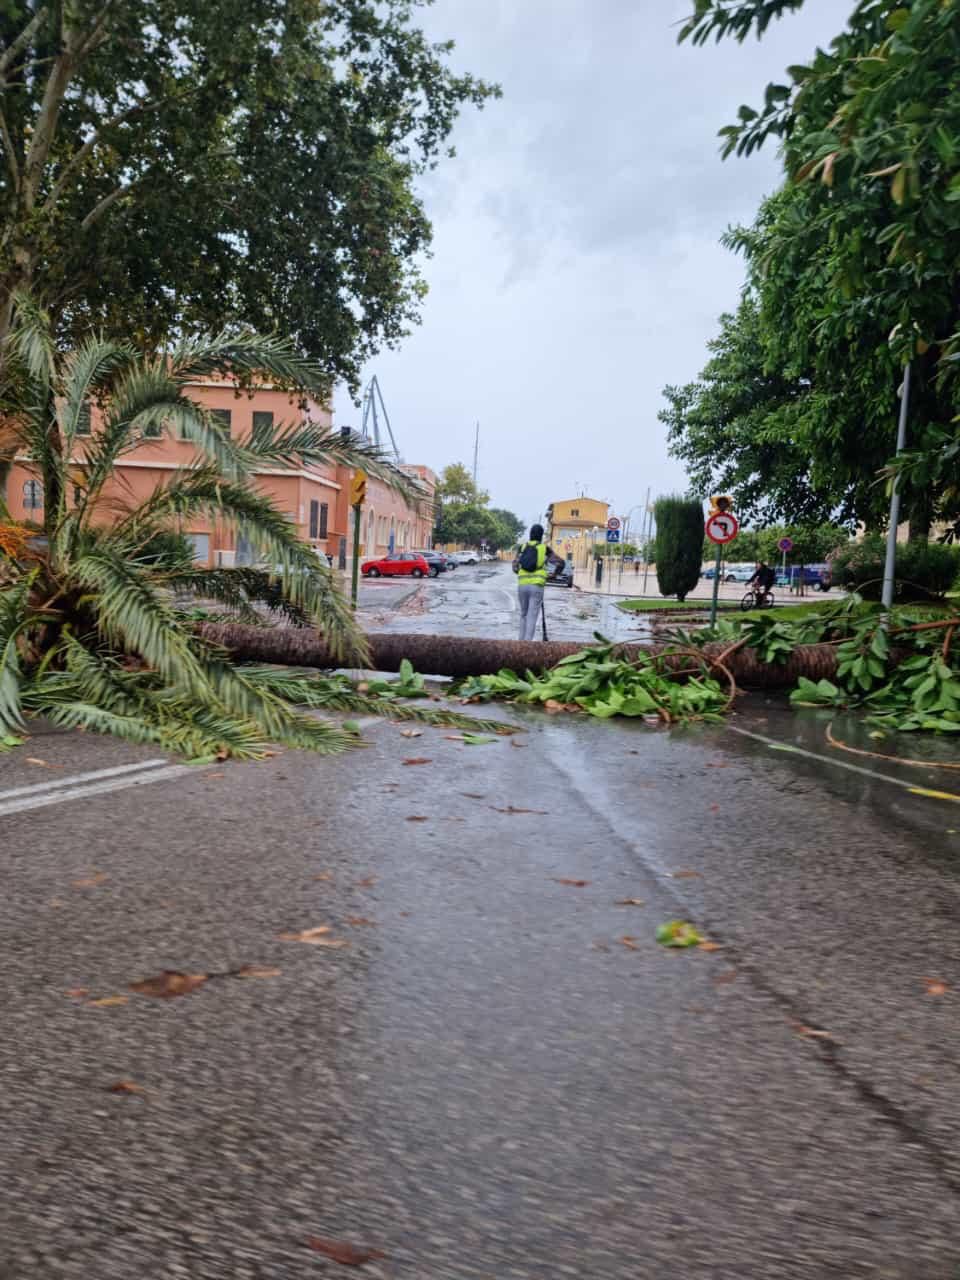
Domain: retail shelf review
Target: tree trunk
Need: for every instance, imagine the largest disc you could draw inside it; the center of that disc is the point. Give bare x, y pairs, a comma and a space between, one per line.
461, 656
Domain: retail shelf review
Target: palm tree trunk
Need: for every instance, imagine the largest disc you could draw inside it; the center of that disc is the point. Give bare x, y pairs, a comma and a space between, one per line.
461, 656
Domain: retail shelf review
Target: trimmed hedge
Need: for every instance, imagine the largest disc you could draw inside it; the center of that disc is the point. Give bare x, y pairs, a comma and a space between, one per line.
924, 571
679, 544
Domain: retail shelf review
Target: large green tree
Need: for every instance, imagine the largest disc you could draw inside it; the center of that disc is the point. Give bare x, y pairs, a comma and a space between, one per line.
854, 265
168, 165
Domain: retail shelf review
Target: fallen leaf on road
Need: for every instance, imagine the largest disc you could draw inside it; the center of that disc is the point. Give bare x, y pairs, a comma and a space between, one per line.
473, 795
630, 902
340, 1251
936, 987
513, 809
305, 935
811, 1032
417, 760
168, 984
78, 992
44, 763
91, 882
577, 884
722, 978
706, 945
323, 875
105, 1001
256, 971
125, 1086
360, 920
628, 941
685, 875
208, 777
418, 817
515, 743
714, 808
411, 733
367, 883
476, 739
677, 933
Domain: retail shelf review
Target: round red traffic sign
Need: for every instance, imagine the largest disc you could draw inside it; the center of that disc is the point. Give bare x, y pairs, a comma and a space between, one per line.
613, 522
785, 544
722, 527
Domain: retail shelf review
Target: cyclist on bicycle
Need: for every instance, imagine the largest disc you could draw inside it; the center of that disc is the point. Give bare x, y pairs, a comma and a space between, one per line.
763, 579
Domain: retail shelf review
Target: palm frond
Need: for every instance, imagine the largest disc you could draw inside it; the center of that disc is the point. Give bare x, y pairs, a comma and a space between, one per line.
245, 352
131, 612
240, 589
14, 620
88, 370
312, 444
31, 339
337, 693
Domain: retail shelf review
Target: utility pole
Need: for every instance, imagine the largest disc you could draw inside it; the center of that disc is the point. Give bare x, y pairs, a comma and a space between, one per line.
358, 492
476, 454
889, 566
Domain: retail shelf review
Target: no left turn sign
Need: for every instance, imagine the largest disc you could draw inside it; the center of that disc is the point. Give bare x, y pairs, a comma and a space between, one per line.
722, 527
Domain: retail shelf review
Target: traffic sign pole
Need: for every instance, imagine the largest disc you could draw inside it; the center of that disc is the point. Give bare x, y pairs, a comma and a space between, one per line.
716, 584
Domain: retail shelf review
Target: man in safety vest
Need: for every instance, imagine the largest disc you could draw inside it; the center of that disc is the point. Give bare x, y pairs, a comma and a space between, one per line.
531, 567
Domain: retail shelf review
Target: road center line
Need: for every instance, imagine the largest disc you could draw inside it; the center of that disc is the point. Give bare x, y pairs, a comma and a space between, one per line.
843, 764
94, 788
75, 779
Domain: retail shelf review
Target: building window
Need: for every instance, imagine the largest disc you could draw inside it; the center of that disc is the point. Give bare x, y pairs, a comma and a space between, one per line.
574, 513
262, 425
83, 419
222, 416
201, 546
33, 495
318, 519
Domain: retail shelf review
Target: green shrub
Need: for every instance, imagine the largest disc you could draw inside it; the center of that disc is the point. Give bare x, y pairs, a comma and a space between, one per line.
923, 571
679, 544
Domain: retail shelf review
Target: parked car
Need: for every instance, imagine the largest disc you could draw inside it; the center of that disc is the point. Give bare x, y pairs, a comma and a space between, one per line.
402, 564
561, 575
466, 557
437, 561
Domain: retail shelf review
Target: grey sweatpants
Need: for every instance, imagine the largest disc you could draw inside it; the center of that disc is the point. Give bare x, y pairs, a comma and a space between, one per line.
531, 602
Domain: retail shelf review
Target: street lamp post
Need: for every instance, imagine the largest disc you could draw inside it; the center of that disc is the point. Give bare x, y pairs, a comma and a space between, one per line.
889, 567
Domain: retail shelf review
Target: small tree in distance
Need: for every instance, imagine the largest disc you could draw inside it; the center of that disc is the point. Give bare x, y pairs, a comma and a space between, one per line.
679, 544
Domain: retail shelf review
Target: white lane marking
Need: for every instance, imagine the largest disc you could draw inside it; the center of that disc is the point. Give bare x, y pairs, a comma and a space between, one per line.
840, 764
95, 788
76, 778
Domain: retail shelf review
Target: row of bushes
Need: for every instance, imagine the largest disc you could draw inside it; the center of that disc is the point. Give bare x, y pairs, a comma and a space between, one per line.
925, 571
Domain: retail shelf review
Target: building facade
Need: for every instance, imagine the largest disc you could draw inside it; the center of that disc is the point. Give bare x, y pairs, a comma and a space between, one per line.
574, 524
315, 499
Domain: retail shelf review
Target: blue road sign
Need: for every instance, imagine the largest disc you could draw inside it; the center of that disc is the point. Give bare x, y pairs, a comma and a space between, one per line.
613, 535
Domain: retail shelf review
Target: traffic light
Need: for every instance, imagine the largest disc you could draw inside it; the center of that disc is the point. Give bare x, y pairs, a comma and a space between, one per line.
358, 489
720, 504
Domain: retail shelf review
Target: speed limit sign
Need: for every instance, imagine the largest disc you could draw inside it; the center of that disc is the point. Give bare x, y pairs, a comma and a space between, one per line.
722, 527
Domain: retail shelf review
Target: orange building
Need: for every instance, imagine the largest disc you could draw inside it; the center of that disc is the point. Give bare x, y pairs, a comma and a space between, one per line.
313, 498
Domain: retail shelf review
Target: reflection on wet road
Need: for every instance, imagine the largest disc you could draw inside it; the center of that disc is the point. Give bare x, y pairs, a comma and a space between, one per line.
482, 601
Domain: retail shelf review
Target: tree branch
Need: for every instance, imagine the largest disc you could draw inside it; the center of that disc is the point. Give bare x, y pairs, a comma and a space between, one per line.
9, 54
12, 162
101, 207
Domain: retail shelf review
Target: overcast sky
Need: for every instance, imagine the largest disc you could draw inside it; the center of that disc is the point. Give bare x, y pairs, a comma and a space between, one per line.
577, 267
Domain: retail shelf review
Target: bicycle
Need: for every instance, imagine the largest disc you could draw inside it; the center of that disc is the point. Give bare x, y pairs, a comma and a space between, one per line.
757, 600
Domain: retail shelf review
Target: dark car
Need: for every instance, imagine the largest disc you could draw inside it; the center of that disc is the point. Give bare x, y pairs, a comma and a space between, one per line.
560, 575
437, 561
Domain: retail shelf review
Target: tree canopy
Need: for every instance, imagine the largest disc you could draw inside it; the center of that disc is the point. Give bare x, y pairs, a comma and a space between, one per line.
175, 165
852, 268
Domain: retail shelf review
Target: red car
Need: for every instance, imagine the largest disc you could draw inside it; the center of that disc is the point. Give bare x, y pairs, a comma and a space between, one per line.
404, 563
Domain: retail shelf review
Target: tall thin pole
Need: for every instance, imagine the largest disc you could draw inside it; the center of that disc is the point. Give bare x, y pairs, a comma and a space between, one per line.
476, 454
354, 586
647, 530
716, 584
889, 566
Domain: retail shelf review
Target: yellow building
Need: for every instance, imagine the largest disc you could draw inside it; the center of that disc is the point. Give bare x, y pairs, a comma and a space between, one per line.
571, 524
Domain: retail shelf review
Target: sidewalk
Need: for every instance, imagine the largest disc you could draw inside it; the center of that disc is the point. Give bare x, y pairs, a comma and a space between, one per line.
629, 584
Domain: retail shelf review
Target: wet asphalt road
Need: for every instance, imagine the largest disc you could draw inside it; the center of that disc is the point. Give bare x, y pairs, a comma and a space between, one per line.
481, 600
501, 1075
